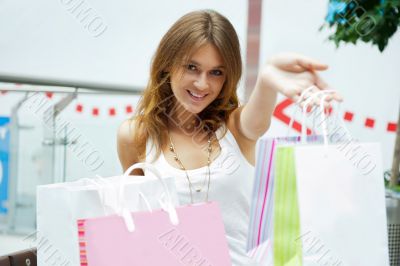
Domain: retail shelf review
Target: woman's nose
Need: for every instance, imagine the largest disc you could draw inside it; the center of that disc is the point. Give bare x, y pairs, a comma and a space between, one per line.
201, 81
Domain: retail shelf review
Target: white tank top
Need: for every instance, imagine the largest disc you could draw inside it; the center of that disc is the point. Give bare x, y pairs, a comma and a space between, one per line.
231, 186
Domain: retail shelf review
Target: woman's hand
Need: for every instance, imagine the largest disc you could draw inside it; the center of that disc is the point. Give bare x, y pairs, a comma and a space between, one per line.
290, 74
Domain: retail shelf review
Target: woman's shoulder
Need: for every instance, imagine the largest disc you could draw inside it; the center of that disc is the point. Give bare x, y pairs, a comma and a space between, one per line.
126, 131
247, 146
128, 152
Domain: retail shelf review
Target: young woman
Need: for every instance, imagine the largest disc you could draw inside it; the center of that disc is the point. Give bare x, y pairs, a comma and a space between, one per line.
189, 122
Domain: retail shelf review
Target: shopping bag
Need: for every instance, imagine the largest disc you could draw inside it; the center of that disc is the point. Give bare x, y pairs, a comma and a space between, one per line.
262, 203
59, 206
341, 203
262, 255
261, 210
330, 203
286, 250
185, 235
294, 241
329, 206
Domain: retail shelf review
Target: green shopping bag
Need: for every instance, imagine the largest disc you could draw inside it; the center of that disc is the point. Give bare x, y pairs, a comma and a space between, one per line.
286, 249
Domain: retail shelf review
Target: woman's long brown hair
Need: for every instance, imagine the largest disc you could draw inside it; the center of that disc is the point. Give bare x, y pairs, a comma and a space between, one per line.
188, 34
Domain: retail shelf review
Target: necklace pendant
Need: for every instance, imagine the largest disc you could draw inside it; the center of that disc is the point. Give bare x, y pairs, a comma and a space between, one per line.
191, 187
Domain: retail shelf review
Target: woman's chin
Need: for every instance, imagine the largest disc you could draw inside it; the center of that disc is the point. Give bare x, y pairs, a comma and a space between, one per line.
194, 109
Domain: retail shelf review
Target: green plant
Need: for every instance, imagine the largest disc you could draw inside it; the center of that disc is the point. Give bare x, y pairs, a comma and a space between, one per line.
371, 21
387, 178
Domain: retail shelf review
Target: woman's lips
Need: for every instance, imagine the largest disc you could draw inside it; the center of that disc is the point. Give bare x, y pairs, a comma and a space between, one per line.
196, 97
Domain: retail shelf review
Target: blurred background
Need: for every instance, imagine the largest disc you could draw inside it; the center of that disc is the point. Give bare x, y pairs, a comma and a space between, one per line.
72, 70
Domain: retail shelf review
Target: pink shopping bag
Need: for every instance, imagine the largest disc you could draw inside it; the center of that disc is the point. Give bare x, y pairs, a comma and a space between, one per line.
196, 237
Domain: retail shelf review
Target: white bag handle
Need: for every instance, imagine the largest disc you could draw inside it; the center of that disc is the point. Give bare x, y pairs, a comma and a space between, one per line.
302, 95
304, 116
304, 112
99, 188
325, 133
166, 205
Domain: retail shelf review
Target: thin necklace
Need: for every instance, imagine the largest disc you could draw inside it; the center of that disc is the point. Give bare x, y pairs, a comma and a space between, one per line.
176, 157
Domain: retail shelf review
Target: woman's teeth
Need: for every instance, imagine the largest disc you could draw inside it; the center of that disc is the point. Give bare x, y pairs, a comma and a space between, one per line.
199, 96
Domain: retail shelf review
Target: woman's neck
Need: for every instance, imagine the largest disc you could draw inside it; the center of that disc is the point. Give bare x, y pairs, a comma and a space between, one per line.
181, 120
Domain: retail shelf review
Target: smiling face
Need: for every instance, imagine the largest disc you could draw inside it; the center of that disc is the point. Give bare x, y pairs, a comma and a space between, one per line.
199, 82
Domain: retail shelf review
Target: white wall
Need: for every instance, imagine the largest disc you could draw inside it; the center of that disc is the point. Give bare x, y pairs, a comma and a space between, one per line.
368, 80
53, 39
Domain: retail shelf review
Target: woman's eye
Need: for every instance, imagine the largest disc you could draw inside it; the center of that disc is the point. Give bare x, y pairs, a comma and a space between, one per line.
191, 67
216, 72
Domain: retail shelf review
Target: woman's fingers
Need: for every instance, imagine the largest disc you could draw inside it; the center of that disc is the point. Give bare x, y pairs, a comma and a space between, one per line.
297, 63
321, 84
334, 96
310, 64
312, 99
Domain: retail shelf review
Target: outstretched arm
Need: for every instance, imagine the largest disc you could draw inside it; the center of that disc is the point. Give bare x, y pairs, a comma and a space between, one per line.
287, 73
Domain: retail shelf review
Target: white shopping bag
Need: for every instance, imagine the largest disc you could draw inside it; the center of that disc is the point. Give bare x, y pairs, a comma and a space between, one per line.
342, 204
329, 202
59, 206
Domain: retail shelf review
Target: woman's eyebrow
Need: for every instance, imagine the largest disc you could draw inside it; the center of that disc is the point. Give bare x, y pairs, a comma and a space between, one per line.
198, 64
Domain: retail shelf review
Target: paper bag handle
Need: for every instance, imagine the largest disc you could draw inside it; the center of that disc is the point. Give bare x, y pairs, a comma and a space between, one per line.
325, 133
166, 205
302, 95
304, 111
323, 117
